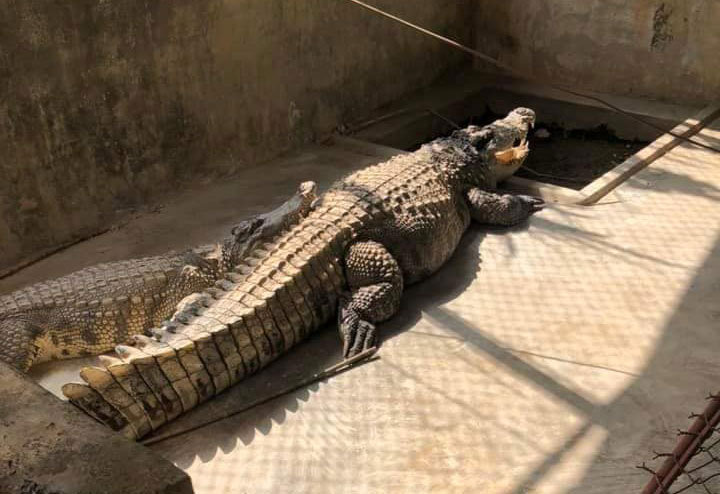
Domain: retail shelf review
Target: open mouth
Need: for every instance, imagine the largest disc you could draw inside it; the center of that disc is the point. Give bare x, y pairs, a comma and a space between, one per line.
518, 151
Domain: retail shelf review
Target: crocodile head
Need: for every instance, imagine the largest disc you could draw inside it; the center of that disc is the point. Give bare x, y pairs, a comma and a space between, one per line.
268, 224
502, 144
246, 235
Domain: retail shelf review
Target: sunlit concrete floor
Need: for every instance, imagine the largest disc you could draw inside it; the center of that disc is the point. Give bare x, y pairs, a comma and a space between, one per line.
551, 358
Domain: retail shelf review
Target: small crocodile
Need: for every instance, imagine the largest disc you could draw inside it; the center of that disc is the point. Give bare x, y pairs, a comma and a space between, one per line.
373, 233
91, 311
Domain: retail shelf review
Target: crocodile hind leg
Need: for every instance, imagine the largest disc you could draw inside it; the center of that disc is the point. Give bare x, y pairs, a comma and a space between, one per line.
376, 285
501, 209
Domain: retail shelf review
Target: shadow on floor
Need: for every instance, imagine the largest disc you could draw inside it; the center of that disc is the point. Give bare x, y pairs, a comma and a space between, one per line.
690, 342
646, 416
321, 351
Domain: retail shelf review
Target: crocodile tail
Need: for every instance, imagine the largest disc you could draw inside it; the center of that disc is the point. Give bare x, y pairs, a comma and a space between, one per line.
17, 342
282, 292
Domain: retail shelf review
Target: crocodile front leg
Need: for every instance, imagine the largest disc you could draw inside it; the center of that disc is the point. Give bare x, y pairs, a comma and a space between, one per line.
501, 209
376, 285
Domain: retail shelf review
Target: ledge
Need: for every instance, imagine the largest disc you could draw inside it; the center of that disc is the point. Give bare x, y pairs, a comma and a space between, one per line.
49, 447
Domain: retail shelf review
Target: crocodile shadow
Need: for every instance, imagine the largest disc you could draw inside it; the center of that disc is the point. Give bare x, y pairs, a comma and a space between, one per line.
320, 351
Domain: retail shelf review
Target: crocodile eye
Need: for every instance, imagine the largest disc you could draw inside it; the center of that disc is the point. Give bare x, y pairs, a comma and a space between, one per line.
257, 223
246, 228
236, 230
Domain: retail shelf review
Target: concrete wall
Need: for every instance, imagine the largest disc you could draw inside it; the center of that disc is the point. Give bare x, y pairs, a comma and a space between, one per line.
106, 105
665, 50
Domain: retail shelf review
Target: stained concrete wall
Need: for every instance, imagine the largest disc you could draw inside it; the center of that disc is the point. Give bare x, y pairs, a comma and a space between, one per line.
666, 50
107, 105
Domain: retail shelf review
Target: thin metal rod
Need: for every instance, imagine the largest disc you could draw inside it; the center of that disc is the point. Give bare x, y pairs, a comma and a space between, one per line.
345, 365
520, 75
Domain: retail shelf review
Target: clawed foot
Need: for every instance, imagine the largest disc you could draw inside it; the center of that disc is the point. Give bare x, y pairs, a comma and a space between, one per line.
357, 336
534, 204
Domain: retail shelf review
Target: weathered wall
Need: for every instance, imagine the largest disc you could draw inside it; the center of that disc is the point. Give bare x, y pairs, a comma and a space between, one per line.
665, 50
105, 105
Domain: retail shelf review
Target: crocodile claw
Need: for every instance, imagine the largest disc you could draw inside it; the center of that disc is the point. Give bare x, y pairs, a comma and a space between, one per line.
535, 203
357, 336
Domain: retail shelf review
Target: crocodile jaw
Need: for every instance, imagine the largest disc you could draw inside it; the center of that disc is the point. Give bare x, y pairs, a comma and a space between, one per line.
508, 148
508, 161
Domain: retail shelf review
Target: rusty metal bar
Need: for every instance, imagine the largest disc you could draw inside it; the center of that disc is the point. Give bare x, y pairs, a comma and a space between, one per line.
689, 444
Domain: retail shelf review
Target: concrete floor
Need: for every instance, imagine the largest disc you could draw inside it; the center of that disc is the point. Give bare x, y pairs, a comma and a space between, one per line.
552, 358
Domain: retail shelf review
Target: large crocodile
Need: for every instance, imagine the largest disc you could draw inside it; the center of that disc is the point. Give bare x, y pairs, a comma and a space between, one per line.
93, 310
371, 234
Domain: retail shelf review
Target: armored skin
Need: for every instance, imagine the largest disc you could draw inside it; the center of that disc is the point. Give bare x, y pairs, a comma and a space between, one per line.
93, 310
373, 233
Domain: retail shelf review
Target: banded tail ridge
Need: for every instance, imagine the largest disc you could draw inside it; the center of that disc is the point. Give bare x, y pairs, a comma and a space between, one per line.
274, 299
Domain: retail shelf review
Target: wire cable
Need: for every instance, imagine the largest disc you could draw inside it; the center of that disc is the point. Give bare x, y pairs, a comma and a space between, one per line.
520, 75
